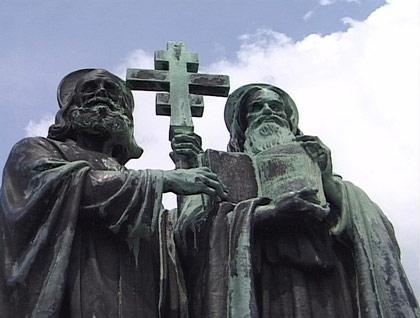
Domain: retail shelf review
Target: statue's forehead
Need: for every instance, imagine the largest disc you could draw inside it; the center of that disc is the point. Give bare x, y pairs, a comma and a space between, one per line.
264, 93
100, 76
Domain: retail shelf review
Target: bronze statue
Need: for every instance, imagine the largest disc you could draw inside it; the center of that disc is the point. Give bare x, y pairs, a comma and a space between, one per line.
265, 229
292, 239
81, 235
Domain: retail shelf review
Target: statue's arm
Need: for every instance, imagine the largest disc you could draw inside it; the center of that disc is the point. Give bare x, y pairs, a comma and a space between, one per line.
37, 165
37, 169
118, 196
335, 193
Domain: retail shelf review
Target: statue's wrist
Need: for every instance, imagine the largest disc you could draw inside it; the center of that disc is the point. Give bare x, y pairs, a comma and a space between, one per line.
167, 181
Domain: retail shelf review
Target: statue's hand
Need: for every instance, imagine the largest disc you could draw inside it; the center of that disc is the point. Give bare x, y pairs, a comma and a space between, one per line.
186, 148
319, 153
193, 181
291, 205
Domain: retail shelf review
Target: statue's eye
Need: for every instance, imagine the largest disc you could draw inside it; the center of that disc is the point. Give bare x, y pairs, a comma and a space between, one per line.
89, 87
276, 106
255, 107
112, 88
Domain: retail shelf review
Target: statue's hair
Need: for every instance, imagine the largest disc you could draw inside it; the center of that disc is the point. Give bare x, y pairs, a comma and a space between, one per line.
62, 128
239, 122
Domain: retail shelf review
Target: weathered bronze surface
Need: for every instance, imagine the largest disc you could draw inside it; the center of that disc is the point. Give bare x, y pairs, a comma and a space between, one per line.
83, 236
292, 239
175, 72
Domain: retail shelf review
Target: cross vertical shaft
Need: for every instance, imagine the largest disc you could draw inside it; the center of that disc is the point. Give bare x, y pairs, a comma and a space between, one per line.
176, 74
181, 119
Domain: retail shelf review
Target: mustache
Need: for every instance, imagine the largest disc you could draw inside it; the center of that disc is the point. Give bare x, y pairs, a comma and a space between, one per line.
99, 115
270, 118
92, 102
98, 124
100, 109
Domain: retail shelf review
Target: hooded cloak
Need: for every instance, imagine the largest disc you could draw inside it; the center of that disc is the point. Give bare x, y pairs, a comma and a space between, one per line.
349, 267
84, 236
81, 235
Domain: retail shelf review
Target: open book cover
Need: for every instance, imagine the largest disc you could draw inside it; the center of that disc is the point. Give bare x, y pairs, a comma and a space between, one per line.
270, 173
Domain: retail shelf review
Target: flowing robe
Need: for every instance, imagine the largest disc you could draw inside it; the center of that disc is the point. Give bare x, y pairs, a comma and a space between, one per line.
82, 236
296, 268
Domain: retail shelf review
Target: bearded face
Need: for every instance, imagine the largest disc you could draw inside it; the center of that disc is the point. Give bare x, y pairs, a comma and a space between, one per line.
268, 124
100, 109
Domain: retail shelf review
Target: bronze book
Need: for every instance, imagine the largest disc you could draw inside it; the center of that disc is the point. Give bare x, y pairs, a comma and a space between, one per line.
268, 174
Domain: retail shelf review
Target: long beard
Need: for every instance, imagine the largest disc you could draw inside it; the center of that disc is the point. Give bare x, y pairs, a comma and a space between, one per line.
111, 124
266, 135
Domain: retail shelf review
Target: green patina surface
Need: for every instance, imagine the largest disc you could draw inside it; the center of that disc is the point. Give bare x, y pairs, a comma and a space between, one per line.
176, 74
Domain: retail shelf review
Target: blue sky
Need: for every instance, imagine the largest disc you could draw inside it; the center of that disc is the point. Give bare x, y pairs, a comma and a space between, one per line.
41, 41
352, 66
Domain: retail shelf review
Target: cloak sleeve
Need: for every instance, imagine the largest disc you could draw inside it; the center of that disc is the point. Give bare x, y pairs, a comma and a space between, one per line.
42, 196
127, 202
383, 288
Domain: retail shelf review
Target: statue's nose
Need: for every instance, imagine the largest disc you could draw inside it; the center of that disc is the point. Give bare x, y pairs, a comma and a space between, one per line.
266, 109
101, 92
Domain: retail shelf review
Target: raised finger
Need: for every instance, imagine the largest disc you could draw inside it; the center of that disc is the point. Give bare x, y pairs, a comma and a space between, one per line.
314, 146
314, 151
315, 143
306, 138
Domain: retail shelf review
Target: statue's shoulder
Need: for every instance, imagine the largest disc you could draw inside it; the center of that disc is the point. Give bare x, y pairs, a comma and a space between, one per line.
35, 147
34, 142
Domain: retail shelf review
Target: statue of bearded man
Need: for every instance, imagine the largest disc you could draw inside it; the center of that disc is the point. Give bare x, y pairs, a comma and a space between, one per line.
304, 244
82, 235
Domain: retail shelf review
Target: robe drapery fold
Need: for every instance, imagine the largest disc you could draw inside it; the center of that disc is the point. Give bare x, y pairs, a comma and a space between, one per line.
383, 288
232, 271
83, 236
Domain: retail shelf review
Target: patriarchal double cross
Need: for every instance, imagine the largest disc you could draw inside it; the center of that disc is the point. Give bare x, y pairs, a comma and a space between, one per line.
176, 74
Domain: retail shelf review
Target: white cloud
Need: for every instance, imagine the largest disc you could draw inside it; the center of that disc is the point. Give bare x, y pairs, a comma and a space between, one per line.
349, 21
308, 15
40, 127
326, 2
330, 2
357, 90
